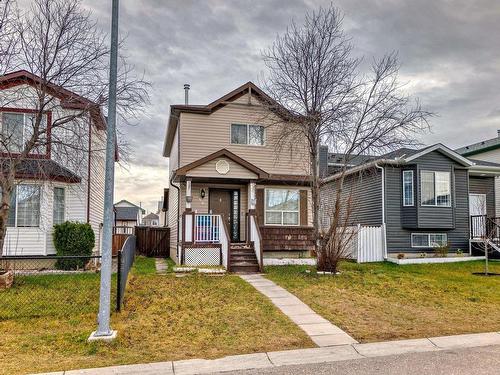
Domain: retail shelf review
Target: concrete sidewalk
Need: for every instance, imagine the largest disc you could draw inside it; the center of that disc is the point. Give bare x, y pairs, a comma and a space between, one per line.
298, 357
321, 331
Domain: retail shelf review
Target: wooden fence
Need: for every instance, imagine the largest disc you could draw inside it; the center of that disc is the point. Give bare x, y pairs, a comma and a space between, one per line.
118, 241
153, 241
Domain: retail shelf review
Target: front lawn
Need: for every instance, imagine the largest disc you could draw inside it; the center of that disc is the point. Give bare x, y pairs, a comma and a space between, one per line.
383, 301
164, 318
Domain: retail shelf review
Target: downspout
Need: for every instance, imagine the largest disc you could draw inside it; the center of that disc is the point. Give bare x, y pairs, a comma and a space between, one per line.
382, 169
178, 209
89, 171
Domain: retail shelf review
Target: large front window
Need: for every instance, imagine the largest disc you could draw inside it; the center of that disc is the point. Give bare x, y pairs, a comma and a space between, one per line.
436, 188
282, 207
242, 134
25, 206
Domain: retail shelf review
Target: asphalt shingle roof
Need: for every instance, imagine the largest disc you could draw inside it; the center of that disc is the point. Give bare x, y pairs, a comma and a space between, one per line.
126, 213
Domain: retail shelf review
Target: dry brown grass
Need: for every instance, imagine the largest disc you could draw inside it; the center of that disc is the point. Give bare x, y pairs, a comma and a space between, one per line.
165, 318
377, 302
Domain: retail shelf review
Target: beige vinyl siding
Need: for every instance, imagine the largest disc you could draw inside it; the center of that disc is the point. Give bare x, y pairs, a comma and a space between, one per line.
235, 170
202, 135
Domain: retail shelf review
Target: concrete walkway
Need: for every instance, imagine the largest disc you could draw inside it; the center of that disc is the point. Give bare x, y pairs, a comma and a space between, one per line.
161, 266
300, 356
321, 331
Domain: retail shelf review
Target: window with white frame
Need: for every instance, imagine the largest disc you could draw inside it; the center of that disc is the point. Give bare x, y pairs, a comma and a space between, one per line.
242, 134
17, 129
24, 208
435, 188
282, 207
59, 205
408, 199
428, 239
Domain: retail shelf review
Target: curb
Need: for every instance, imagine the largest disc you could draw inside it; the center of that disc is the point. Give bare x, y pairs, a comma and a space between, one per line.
297, 356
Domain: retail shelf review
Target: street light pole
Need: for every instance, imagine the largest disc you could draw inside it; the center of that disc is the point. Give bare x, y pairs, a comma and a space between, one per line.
104, 331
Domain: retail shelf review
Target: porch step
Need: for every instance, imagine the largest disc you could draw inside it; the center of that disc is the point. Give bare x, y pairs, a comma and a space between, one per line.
243, 259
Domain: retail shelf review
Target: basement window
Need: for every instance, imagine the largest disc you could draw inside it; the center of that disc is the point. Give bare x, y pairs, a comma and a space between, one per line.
428, 239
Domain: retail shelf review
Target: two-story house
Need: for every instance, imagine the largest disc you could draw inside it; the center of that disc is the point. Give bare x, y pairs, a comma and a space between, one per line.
234, 196
52, 184
422, 198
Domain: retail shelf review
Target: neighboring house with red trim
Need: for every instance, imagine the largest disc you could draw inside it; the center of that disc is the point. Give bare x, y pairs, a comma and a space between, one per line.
233, 196
52, 186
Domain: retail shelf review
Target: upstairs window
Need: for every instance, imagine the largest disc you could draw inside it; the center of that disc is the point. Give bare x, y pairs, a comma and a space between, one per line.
242, 134
17, 129
436, 188
408, 188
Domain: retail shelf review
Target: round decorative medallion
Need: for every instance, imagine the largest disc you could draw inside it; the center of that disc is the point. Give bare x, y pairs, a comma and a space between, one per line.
222, 166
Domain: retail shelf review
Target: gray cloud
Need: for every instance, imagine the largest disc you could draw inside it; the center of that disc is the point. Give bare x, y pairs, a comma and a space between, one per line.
448, 50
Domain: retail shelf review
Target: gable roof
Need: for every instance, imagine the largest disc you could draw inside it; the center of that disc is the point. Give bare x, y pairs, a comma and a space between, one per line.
151, 216
222, 153
69, 99
404, 156
130, 203
479, 147
177, 109
441, 148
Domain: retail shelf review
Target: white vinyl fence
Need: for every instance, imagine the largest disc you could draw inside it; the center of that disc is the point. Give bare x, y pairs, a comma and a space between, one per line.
370, 244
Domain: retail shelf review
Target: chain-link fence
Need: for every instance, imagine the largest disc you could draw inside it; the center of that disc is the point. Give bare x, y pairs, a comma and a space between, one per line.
126, 257
58, 286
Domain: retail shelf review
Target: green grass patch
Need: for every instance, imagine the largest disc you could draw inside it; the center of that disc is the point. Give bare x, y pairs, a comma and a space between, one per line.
384, 301
164, 317
144, 266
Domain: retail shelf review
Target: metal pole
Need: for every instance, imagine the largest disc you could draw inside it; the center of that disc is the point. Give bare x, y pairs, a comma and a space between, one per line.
103, 329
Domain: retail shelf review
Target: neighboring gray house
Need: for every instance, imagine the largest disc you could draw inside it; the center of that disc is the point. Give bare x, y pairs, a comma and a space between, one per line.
423, 198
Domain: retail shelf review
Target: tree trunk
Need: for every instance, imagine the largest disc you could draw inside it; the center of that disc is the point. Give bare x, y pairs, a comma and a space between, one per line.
4, 212
315, 201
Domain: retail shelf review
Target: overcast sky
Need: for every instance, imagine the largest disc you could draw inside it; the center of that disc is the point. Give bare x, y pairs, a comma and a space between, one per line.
449, 51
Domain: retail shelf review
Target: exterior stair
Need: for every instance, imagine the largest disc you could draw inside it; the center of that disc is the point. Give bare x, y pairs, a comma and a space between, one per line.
243, 259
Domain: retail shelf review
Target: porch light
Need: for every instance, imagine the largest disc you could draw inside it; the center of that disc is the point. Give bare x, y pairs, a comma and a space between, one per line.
202, 193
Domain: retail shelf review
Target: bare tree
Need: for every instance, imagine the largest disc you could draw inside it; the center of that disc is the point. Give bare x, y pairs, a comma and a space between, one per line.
65, 86
318, 86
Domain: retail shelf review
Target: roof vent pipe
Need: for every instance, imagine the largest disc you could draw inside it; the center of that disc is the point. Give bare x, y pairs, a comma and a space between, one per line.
186, 93
498, 132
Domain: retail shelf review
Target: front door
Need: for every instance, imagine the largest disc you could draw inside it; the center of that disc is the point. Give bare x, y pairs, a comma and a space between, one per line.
227, 204
477, 212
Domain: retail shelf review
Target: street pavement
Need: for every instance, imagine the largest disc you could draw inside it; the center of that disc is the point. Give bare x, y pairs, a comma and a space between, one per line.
463, 361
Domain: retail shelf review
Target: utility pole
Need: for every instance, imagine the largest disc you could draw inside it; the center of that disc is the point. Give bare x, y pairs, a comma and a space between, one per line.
104, 331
